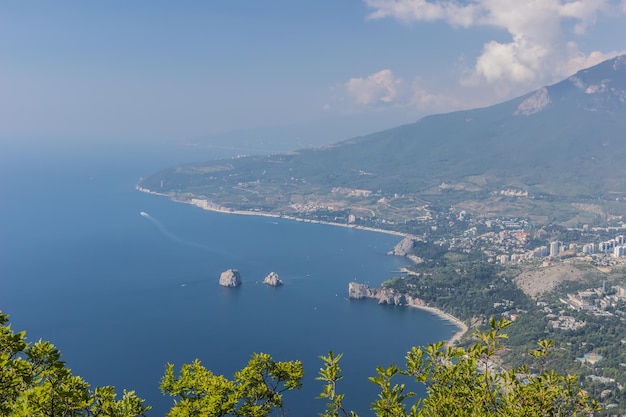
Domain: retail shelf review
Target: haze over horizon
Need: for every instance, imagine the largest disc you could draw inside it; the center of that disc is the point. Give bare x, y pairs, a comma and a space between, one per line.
119, 70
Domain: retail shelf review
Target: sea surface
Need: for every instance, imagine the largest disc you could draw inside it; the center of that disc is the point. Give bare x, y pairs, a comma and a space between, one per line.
121, 294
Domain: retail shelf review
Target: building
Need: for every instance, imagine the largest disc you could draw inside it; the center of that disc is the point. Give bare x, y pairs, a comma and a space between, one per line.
607, 247
577, 302
591, 358
588, 249
555, 248
540, 252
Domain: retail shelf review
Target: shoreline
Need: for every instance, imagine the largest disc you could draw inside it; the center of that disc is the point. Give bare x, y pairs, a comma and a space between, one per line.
460, 325
206, 205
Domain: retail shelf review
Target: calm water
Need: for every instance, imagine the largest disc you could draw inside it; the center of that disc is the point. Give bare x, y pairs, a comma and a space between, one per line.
122, 295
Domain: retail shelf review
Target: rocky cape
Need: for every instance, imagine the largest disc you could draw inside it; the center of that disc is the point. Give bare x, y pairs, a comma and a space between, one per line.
388, 296
230, 278
406, 247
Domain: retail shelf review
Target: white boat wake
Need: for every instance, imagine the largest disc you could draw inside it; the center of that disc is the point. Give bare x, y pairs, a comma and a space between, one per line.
171, 235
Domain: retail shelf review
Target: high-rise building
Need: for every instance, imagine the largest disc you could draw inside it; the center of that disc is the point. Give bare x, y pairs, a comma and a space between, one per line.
554, 248
606, 247
588, 249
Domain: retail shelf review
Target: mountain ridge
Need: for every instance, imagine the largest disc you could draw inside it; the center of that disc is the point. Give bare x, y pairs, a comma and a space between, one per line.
564, 142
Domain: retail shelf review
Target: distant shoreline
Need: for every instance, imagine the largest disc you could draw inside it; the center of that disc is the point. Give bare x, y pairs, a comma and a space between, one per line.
205, 205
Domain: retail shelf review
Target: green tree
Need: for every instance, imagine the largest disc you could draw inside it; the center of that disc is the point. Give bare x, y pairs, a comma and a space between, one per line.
34, 381
255, 391
466, 382
459, 382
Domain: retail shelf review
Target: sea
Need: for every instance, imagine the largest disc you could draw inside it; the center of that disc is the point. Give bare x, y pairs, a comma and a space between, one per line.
121, 294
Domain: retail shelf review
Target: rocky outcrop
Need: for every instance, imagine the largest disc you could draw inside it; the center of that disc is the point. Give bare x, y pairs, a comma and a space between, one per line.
405, 247
272, 280
230, 278
383, 295
535, 103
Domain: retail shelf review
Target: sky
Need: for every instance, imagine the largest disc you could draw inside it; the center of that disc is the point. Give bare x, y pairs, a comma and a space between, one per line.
155, 69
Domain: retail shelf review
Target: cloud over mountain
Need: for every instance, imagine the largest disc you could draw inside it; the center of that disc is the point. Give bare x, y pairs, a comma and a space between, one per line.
542, 36
376, 88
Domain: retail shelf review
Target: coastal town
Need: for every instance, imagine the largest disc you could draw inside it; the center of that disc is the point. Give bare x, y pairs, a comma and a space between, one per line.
572, 280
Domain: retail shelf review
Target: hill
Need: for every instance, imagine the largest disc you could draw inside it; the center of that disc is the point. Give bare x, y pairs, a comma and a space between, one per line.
554, 155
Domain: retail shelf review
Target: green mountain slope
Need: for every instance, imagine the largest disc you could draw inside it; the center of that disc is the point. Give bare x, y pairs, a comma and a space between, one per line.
565, 142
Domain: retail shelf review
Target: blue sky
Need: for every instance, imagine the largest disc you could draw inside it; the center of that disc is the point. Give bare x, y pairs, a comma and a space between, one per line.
155, 69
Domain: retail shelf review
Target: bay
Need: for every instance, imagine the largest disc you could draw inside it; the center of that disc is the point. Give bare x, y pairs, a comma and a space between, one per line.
122, 295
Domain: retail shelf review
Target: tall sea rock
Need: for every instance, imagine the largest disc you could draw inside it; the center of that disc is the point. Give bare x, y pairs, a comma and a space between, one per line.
273, 280
230, 278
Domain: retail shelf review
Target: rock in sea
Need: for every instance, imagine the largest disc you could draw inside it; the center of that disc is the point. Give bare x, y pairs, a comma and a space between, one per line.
273, 280
230, 278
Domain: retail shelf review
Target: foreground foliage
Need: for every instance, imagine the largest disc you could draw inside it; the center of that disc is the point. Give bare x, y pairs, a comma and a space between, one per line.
255, 391
34, 381
466, 382
460, 382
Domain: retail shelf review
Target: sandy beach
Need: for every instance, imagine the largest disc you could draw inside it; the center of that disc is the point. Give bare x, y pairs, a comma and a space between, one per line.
462, 327
206, 205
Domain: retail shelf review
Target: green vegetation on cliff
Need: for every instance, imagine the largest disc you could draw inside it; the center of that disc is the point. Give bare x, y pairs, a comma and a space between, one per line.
460, 285
466, 286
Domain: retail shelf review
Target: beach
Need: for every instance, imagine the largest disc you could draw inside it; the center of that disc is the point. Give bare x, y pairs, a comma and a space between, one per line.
442, 314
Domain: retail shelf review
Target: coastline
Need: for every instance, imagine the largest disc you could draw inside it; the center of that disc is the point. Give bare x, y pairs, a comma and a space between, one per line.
206, 205
461, 326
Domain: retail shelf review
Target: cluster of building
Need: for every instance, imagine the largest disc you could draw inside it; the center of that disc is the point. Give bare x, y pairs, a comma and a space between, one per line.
615, 247
566, 323
507, 240
597, 301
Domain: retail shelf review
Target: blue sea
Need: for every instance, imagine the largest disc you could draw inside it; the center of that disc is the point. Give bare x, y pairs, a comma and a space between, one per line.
121, 295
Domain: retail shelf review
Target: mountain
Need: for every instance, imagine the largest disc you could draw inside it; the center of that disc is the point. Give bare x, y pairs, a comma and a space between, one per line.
560, 148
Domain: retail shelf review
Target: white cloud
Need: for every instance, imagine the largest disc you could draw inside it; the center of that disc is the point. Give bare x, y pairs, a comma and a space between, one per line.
454, 13
541, 47
377, 88
382, 90
577, 60
427, 101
